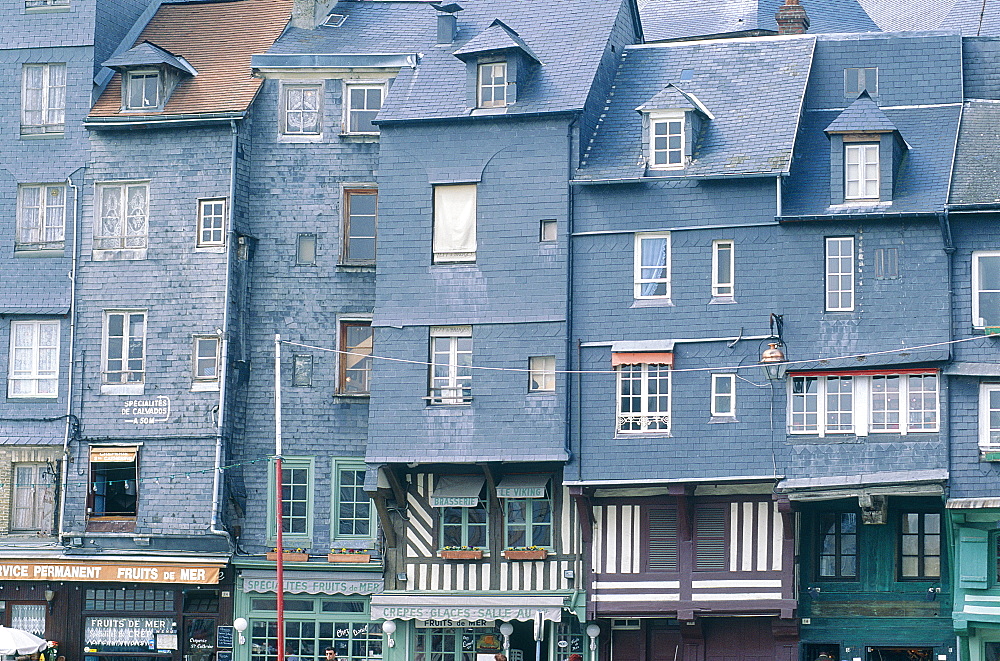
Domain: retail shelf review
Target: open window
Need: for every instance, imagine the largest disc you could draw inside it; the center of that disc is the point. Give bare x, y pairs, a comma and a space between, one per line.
114, 489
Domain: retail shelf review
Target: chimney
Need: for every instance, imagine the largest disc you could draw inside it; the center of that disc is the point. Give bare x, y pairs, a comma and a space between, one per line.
304, 14
791, 18
446, 28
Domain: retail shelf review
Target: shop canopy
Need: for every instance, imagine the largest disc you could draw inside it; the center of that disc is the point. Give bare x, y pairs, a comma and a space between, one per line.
508, 606
457, 490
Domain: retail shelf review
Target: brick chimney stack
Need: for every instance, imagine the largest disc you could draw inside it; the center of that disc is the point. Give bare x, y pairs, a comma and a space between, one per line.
791, 18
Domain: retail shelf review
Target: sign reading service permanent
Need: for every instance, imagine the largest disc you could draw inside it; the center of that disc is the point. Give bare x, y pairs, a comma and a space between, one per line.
110, 572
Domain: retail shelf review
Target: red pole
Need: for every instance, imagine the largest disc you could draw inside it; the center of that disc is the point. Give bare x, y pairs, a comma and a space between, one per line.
279, 560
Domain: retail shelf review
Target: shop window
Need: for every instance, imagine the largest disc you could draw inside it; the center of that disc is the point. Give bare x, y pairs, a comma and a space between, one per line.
113, 482
121, 599
838, 545
28, 617
991, 652
455, 644
569, 639
201, 601
920, 545
307, 639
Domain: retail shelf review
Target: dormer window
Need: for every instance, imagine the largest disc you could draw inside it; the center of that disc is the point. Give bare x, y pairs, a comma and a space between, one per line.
142, 90
667, 141
493, 85
861, 175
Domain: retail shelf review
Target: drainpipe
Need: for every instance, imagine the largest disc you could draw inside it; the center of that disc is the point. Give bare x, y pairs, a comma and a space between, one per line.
64, 462
570, 161
213, 527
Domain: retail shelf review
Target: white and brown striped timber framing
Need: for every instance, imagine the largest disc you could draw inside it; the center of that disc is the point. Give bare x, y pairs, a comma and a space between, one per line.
425, 570
754, 558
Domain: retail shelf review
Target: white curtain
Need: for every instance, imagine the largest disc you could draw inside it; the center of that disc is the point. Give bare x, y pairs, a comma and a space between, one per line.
455, 222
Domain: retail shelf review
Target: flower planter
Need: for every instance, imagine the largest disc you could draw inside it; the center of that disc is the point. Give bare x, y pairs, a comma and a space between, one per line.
289, 557
525, 554
462, 554
348, 557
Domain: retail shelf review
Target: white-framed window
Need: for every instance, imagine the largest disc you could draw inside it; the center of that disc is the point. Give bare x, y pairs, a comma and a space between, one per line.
493, 85
41, 217
123, 216
124, 347
723, 395
360, 225
211, 222
34, 359
723, 263
451, 363
986, 288
43, 98
300, 108
861, 176
840, 274
143, 89
989, 416
643, 398
666, 140
305, 249
860, 79
652, 266
541, 373
863, 404
41, 4
454, 223
34, 498
363, 104
548, 230
206, 360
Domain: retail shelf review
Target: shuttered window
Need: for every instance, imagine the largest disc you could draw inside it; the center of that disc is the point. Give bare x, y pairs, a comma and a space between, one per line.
710, 539
662, 540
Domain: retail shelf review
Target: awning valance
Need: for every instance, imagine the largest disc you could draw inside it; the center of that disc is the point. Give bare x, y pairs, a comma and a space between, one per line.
636, 358
523, 486
408, 606
116, 455
457, 490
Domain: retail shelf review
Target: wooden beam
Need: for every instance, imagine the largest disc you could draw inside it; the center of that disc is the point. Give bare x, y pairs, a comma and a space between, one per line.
398, 492
491, 485
584, 510
385, 516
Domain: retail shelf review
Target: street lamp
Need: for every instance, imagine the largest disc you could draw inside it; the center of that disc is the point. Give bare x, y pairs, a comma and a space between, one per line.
593, 631
506, 629
771, 361
241, 624
389, 628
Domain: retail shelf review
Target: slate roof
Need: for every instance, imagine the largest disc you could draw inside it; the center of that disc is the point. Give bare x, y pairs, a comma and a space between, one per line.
673, 97
676, 19
148, 54
753, 87
862, 115
980, 63
497, 37
970, 17
365, 30
976, 176
217, 39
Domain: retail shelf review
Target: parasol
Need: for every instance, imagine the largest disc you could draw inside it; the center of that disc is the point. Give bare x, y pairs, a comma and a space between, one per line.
15, 641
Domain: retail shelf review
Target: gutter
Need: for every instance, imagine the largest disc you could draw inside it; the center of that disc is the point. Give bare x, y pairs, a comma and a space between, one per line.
684, 177
144, 121
879, 215
71, 428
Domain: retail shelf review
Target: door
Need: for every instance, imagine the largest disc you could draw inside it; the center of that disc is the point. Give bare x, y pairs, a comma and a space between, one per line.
739, 639
199, 638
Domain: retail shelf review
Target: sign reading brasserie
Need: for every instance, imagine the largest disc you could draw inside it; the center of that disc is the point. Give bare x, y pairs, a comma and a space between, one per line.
111, 572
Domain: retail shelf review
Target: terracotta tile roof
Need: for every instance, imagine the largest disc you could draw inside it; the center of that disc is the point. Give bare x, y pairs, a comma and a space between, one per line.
217, 38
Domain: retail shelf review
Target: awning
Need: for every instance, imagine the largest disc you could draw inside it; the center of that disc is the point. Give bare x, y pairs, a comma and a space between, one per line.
523, 486
457, 490
329, 582
973, 369
892, 483
638, 358
408, 606
875, 361
971, 503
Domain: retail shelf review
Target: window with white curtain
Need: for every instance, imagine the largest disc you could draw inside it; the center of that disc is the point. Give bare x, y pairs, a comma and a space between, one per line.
34, 359
41, 217
43, 99
652, 266
455, 223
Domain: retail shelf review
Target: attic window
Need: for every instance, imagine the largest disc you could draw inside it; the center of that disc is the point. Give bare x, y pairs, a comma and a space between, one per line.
666, 138
335, 20
142, 89
493, 85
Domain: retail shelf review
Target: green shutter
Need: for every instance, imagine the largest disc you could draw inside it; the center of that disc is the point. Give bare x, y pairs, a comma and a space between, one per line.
973, 554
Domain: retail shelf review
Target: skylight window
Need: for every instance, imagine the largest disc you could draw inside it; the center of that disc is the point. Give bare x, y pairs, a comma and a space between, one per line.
335, 20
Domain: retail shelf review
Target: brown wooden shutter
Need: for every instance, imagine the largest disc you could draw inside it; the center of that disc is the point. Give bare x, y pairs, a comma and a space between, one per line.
662, 554
710, 549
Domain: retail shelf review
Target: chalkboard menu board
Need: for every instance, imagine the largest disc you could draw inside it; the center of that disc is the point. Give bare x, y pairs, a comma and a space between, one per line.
224, 637
223, 656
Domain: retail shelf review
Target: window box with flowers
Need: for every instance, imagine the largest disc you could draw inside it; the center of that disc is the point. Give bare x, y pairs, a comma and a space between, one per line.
461, 553
349, 555
290, 555
525, 553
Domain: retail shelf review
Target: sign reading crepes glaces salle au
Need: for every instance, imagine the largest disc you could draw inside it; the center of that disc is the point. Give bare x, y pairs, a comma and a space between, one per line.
108, 571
